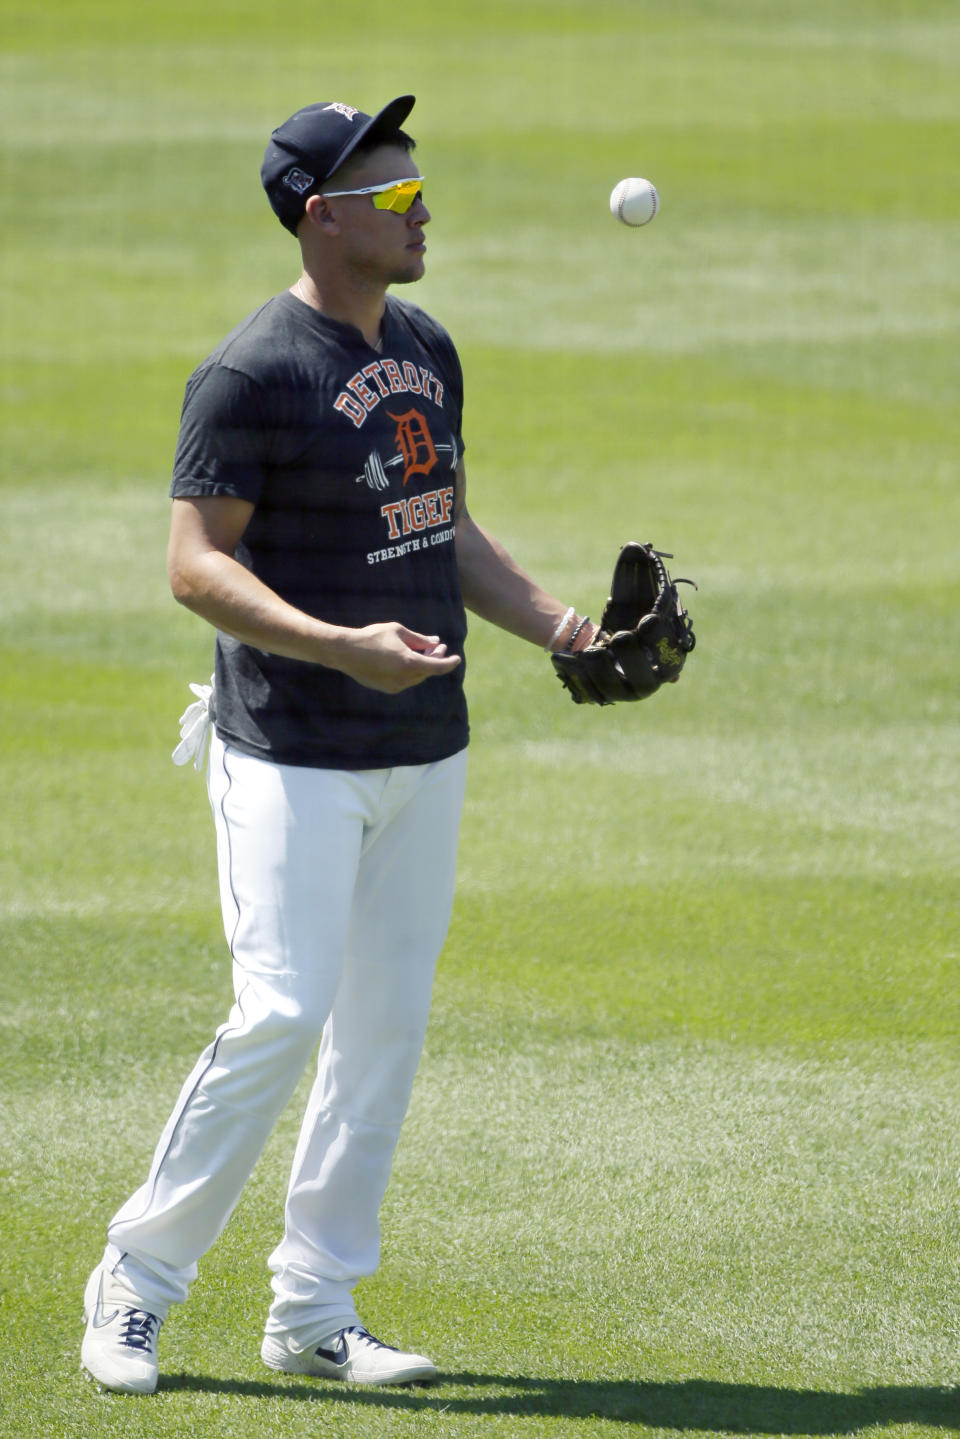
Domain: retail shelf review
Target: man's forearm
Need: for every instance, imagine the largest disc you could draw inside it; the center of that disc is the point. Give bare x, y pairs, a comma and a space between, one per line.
497, 589
386, 657
222, 591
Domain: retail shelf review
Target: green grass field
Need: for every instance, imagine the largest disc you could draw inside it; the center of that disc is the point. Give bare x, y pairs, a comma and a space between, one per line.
684, 1150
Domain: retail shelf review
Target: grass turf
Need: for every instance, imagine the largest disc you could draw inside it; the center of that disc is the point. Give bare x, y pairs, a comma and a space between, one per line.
683, 1151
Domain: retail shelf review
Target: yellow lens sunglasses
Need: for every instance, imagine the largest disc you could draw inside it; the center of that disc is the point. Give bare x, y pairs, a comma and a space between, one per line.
396, 195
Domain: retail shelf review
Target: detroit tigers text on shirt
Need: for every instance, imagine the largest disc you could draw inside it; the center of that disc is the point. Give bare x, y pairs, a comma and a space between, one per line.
401, 379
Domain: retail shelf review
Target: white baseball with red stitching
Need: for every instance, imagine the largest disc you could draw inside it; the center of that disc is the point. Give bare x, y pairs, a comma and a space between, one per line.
634, 201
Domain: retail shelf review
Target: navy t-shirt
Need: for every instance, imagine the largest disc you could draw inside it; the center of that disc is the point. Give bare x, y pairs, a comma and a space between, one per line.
349, 456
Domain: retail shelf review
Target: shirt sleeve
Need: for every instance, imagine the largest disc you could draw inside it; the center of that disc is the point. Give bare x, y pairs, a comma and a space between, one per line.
439, 345
453, 374
223, 447
456, 373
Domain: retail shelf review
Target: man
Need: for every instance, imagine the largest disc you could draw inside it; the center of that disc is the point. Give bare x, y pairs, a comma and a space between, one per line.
320, 525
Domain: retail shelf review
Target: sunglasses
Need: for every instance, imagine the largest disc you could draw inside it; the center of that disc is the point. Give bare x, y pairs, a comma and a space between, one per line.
395, 195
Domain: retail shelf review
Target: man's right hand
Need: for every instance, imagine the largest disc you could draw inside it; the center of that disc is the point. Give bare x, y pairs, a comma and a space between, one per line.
390, 658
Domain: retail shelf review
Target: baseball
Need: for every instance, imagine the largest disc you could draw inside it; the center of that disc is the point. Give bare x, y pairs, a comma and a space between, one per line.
634, 201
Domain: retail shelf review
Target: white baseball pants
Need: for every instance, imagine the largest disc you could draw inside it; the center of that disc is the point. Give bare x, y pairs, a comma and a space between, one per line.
336, 889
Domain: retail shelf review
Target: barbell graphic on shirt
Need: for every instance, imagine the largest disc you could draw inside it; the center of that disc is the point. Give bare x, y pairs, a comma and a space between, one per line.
418, 453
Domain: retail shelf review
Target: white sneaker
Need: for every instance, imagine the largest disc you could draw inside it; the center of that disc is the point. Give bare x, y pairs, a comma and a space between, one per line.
351, 1354
120, 1344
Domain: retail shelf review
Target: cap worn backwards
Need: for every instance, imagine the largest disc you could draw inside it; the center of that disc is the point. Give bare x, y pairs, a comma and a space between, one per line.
305, 150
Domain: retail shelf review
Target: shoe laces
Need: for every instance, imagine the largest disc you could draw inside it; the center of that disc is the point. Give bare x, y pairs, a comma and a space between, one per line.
139, 1329
364, 1336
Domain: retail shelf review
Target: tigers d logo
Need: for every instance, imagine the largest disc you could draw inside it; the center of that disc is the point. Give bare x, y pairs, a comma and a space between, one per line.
415, 443
298, 180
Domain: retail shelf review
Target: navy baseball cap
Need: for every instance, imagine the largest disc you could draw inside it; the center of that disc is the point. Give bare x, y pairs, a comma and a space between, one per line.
305, 150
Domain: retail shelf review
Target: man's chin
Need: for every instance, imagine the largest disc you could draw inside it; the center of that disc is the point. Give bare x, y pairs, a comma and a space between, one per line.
409, 273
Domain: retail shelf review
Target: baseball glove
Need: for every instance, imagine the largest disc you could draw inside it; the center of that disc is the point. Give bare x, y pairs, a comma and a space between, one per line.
644, 638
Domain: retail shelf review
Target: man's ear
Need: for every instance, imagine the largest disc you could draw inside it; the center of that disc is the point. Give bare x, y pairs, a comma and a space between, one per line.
319, 214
